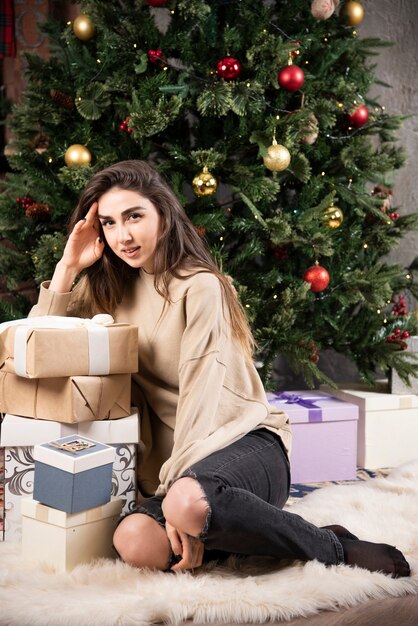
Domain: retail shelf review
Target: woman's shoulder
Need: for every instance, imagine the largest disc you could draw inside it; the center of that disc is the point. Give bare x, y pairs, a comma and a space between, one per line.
195, 280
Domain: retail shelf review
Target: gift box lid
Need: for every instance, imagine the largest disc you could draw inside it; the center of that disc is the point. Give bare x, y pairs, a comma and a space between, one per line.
312, 406
35, 510
26, 431
376, 399
74, 454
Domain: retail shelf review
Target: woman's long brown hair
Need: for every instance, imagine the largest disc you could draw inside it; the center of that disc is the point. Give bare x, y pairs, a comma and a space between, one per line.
179, 247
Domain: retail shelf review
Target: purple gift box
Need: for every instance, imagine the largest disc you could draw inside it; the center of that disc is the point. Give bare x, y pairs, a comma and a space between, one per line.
324, 446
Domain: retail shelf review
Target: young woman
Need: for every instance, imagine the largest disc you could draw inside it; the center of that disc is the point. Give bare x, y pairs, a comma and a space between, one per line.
214, 464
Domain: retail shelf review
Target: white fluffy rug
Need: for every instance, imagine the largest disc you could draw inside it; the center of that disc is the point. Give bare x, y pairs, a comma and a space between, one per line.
111, 593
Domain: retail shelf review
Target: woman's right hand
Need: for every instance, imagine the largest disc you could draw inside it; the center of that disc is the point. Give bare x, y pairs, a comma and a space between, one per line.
83, 248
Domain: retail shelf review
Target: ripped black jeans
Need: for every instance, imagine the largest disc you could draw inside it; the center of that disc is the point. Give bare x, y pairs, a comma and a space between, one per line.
246, 485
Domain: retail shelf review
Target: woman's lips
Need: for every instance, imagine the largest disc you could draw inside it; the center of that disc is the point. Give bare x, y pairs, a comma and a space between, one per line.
130, 252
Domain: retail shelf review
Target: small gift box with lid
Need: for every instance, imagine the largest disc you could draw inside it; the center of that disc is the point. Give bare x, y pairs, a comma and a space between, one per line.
73, 473
388, 424
324, 429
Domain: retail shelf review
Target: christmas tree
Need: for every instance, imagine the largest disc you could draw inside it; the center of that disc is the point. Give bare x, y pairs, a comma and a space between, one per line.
257, 114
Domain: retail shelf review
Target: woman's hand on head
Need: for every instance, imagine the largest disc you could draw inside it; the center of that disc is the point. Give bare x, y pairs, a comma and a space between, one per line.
189, 548
84, 246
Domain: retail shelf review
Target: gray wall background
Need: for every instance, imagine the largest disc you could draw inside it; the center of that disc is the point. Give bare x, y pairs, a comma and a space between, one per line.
396, 21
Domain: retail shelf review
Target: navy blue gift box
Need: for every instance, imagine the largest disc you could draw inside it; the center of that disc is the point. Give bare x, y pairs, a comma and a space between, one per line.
73, 473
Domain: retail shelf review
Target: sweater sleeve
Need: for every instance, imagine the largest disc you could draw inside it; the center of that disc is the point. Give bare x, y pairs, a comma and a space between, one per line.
201, 377
50, 302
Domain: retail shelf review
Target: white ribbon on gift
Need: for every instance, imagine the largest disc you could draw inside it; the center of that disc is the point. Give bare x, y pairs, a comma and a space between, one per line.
98, 338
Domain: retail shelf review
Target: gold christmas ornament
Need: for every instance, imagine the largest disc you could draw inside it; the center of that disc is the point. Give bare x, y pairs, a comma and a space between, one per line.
204, 184
352, 13
277, 158
333, 217
83, 27
77, 155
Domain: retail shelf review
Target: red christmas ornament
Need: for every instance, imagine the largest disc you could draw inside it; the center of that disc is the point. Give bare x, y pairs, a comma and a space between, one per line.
228, 68
156, 3
291, 78
358, 117
317, 276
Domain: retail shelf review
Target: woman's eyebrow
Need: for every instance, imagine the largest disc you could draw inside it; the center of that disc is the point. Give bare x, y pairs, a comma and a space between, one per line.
125, 212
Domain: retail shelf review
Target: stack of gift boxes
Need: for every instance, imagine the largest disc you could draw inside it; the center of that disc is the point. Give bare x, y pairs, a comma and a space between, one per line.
66, 377
72, 516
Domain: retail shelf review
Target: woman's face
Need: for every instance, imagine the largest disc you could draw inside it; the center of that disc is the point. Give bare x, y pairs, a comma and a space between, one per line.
131, 226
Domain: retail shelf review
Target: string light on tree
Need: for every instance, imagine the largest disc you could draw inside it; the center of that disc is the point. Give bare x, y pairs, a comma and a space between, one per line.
77, 155
278, 157
83, 27
295, 52
291, 77
228, 68
317, 276
352, 13
204, 184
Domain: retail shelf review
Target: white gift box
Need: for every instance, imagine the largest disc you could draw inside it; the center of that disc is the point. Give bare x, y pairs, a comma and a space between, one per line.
388, 424
19, 435
64, 540
397, 384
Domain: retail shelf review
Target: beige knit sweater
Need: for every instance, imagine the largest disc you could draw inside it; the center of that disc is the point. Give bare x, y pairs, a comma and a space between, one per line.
195, 390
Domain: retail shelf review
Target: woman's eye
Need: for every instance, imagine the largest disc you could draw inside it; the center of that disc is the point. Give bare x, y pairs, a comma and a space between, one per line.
107, 223
134, 216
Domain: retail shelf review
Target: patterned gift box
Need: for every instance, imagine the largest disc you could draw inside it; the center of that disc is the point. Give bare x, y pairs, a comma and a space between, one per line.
388, 424
63, 540
19, 435
324, 429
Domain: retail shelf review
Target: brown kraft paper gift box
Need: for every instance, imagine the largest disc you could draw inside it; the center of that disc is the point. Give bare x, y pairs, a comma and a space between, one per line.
69, 399
58, 352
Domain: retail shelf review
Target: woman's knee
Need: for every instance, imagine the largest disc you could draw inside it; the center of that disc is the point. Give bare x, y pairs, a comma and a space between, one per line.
185, 506
141, 541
